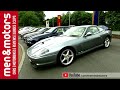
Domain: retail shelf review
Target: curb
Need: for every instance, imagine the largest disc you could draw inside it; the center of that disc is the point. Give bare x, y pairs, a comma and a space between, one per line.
22, 59
115, 36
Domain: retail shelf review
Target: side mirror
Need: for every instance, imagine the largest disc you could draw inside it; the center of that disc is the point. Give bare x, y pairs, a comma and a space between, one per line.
88, 34
109, 28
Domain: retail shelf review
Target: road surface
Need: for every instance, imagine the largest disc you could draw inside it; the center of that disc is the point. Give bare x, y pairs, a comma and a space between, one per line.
99, 60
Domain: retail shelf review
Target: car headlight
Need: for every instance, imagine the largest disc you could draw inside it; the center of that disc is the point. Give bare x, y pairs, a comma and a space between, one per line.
29, 39
40, 52
24, 36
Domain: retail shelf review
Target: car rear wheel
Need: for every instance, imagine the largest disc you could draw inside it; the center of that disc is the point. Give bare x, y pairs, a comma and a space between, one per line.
66, 57
106, 42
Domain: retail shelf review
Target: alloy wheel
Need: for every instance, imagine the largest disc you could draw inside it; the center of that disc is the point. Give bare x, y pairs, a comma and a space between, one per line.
107, 42
66, 57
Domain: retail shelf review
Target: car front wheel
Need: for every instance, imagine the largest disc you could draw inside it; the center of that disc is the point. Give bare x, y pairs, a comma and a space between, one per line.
66, 57
107, 42
34, 66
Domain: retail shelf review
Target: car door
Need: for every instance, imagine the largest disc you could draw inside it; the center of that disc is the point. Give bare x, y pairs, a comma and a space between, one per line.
97, 34
92, 40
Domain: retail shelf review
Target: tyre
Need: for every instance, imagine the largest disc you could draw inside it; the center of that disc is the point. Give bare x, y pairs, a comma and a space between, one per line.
66, 57
106, 42
34, 66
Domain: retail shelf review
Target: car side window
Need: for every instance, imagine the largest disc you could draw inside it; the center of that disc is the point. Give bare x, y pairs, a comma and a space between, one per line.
101, 29
60, 30
66, 28
89, 30
93, 30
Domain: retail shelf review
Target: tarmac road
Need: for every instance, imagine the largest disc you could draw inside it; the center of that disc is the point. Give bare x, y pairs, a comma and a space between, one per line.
99, 60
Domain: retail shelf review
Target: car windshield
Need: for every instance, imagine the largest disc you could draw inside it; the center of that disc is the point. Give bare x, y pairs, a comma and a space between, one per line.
75, 31
39, 30
34, 29
50, 30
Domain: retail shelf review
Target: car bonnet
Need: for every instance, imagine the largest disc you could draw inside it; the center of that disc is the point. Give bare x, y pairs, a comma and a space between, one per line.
48, 43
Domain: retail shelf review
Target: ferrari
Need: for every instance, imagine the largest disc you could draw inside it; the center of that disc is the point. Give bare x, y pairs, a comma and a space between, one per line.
64, 48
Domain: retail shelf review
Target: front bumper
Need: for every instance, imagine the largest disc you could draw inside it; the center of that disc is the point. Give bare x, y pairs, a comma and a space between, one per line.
21, 35
29, 43
51, 59
24, 38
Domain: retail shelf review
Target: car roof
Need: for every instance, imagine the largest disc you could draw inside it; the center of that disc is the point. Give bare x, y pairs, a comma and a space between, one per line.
85, 25
101, 25
62, 26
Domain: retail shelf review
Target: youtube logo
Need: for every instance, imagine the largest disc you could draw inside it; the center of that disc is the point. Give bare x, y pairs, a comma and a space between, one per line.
65, 75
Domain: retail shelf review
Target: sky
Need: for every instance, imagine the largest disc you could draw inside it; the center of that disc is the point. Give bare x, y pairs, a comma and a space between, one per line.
50, 14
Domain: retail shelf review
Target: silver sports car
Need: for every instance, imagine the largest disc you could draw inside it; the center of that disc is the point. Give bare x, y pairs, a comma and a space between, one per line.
63, 49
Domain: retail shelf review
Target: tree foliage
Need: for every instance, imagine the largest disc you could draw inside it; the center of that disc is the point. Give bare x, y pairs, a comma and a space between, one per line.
31, 18
36, 18
40, 15
102, 18
76, 18
53, 22
113, 20
110, 19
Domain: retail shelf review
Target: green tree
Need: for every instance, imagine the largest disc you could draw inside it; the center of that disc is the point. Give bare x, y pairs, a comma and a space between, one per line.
65, 19
21, 13
102, 18
76, 18
81, 18
41, 16
113, 20
86, 18
31, 18
28, 18
53, 22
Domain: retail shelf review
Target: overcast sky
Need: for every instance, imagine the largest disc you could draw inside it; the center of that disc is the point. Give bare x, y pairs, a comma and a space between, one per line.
50, 14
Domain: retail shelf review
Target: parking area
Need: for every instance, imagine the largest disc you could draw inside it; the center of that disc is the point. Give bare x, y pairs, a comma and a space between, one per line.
99, 60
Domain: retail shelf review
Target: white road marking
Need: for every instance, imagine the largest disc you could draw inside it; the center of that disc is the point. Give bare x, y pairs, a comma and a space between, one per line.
22, 59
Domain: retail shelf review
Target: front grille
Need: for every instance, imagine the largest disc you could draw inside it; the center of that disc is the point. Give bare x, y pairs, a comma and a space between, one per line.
29, 42
24, 38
